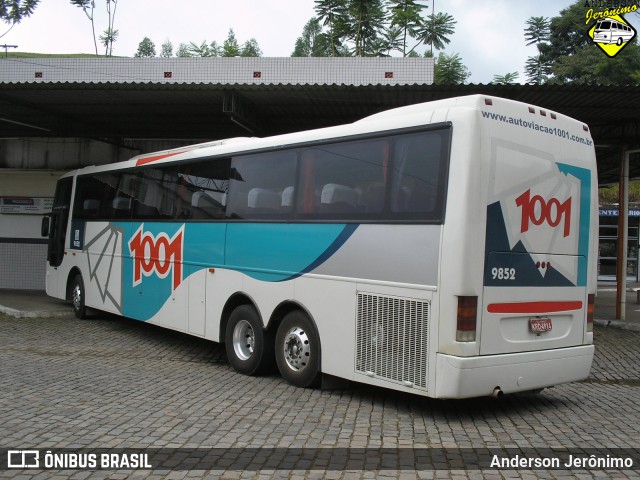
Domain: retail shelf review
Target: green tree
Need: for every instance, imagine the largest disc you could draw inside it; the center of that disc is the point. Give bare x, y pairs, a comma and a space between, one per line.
203, 50
506, 79
110, 34
306, 42
230, 47
393, 39
146, 49
437, 29
591, 66
166, 49
407, 16
332, 14
88, 7
537, 30
107, 38
538, 67
250, 48
568, 33
365, 23
449, 70
13, 12
573, 58
184, 50
377, 27
313, 42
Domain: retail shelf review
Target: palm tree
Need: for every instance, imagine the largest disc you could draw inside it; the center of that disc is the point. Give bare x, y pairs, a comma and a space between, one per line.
437, 29
88, 6
537, 30
506, 79
538, 69
406, 15
107, 38
450, 70
366, 19
331, 13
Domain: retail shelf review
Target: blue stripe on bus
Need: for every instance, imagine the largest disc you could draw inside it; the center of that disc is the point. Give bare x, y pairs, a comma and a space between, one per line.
268, 252
584, 175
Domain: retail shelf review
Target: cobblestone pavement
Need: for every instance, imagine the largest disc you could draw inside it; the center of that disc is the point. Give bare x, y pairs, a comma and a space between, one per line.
109, 383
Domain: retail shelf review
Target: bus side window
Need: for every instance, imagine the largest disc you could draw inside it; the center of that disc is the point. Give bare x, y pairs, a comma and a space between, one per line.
202, 190
94, 197
261, 186
155, 199
344, 180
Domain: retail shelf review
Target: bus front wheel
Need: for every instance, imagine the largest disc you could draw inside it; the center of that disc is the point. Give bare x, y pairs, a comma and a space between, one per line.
77, 295
249, 346
298, 350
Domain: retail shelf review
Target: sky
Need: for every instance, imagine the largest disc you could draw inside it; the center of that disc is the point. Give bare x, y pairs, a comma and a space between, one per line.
489, 34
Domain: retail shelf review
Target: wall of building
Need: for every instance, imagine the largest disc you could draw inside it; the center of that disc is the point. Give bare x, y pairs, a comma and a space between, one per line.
29, 169
23, 251
70, 153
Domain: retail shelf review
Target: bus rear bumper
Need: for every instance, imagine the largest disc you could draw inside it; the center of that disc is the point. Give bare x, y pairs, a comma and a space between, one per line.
460, 377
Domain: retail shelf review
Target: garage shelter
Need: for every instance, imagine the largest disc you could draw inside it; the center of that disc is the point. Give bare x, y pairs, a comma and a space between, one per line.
58, 114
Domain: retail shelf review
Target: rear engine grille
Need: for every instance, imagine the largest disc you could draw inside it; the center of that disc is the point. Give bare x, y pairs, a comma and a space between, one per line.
391, 339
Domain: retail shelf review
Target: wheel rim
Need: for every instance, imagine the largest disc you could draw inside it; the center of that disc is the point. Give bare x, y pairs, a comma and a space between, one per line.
244, 340
297, 349
76, 297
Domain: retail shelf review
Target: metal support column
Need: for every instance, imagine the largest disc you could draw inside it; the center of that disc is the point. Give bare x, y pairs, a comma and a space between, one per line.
623, 227
623, 235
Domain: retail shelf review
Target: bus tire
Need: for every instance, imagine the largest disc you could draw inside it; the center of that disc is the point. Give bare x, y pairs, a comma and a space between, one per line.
77, 294
298, 350
249, 346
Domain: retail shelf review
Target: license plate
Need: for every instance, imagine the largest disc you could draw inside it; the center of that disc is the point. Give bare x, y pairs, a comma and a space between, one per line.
540, 325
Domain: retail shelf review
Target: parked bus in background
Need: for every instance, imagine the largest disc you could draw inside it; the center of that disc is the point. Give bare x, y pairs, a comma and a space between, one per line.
446, 248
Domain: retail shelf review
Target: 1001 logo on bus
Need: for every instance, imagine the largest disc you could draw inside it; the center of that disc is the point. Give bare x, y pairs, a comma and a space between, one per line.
159, 255
536, 210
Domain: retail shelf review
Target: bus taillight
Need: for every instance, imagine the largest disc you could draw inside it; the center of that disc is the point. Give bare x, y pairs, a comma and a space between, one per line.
591, 305
467, 319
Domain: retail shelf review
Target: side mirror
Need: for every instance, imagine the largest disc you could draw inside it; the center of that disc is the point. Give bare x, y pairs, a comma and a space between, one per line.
44, 227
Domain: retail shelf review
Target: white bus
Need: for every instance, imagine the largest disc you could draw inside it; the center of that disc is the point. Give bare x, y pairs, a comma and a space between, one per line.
446, 248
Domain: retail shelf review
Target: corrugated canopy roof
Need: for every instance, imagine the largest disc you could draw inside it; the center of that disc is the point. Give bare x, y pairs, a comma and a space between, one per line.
214, 111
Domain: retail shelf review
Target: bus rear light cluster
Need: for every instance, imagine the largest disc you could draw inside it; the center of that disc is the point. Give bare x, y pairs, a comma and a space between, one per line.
467, 319
591, 306
543, 113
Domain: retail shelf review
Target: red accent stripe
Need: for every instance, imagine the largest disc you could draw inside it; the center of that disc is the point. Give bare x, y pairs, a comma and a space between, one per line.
534, 307
155, 158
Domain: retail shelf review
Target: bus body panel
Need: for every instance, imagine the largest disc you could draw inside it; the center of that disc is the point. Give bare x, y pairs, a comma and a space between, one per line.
384, 296
539, 231
460, 377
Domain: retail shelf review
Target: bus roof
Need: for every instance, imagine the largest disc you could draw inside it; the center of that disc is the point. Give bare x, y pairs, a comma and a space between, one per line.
400, 117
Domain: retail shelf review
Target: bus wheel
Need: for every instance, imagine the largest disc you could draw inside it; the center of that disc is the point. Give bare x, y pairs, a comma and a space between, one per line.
619, 42
77, 297
249, 347
298, 350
